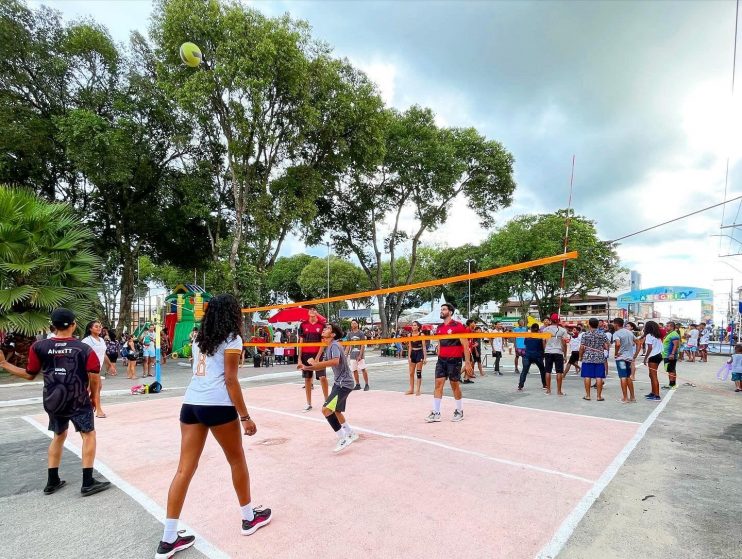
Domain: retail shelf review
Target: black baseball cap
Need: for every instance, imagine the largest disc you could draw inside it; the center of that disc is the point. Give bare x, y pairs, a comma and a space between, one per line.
62, 318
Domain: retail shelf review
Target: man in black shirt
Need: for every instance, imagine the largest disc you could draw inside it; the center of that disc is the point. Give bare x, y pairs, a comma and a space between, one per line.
71, 371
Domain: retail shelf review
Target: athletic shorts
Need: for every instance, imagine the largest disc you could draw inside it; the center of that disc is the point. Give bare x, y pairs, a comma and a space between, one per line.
497, 354
211, 416
736, 377
592, 370
655, 359
83, 420
305, 357
449, 367
357, 365
520, 351
624, 368
416, 356
149, 352
556, 360
703, 347
476, 358
574, 357
113, 357
670, 365
337, 398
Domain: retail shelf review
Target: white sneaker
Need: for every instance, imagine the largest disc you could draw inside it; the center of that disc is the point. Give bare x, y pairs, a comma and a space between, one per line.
342, 444
458, 415
434, 417
308, 407
353, 436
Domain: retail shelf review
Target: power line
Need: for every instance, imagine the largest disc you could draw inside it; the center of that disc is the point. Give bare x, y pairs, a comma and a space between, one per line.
675, 219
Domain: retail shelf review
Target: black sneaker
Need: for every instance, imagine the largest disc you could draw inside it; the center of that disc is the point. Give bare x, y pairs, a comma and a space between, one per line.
262, 517
499, 373
95, 487
366, 388
51, 488
357, 387
166, 550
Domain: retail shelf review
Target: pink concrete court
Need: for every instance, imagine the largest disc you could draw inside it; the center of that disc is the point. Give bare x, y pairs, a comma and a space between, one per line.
507, 476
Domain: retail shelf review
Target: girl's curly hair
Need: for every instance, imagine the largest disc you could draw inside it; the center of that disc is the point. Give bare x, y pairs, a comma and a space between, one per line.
222, 320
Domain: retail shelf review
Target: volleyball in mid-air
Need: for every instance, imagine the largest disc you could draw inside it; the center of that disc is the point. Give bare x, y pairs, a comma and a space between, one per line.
190, 54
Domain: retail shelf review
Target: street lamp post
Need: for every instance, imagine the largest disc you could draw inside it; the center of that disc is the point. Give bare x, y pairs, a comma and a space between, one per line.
731, 302
469, 262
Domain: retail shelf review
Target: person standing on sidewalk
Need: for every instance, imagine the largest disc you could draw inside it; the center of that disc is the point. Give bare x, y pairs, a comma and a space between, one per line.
98, 345
520, 343
555, 350
497, 347
534, 355
670, 349
624, 342
71, 373
592, 354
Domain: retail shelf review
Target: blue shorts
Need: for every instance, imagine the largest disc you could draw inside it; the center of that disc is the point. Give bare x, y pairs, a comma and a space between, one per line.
149, 352
624, 368
593, 370
736, 376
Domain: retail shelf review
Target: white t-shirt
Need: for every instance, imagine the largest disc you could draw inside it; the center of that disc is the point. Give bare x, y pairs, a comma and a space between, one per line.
207, 387
99, 347
705, 336
693, 338
574, 343
656, 344
554, 344
497, 343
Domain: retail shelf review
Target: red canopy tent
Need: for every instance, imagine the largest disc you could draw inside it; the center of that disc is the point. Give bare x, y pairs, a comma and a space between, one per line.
294, 314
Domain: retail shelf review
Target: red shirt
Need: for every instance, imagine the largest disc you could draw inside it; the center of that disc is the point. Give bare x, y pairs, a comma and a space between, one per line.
309, 332
451, 348
663, 333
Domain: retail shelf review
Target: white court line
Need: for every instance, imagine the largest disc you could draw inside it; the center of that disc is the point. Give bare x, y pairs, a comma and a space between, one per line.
565, 530
521, 465
528, 408
203, 545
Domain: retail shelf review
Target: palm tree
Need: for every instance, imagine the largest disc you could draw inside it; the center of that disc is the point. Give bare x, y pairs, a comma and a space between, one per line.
45, 262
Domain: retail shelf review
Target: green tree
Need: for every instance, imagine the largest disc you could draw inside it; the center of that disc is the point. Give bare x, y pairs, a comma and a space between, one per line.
529, 237
46, 261
283, 278
422, 172
288, 116
345, 278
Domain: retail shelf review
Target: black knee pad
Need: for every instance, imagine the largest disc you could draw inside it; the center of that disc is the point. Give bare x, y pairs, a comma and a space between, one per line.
419, 374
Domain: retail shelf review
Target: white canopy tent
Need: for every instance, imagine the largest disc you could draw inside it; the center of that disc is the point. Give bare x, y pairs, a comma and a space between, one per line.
434, 316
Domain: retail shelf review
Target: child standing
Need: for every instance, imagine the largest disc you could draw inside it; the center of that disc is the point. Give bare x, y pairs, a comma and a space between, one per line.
736, 362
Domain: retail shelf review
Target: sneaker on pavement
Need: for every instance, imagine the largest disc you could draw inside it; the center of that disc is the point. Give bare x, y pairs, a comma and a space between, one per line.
166, 550
353, 436
366, 388
51, 488
262, 517
458, 415
434, 417
342, 444
95, 487
308, 407
357, 387
654, 397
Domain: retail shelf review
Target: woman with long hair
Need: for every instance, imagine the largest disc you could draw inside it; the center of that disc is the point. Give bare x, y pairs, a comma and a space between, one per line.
131, 357
213, 403
417, 356
652, 356
98, 345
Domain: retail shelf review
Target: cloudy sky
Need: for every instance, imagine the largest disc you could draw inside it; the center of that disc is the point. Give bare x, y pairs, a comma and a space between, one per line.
639, 92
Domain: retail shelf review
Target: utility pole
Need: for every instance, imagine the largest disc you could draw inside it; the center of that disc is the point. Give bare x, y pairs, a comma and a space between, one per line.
328, 278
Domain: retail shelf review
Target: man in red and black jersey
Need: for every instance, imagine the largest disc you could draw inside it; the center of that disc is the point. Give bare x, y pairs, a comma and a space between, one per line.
71, 373
311, 331
450, 355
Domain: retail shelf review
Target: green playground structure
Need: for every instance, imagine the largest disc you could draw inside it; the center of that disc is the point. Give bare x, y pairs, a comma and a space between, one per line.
185, 307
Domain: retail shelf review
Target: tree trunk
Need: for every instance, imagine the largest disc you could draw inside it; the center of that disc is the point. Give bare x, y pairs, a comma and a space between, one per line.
127, 293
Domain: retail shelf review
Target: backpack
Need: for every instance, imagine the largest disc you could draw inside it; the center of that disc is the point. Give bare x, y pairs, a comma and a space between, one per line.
153, 388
